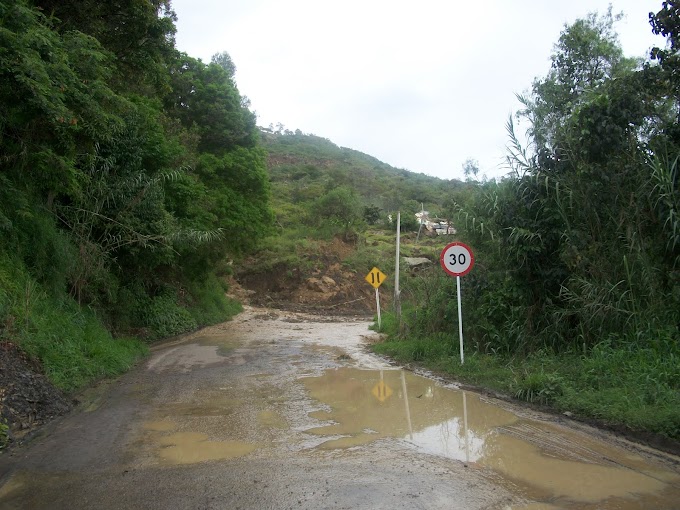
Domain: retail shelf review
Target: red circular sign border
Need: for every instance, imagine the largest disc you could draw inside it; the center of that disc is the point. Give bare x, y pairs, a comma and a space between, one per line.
446, 269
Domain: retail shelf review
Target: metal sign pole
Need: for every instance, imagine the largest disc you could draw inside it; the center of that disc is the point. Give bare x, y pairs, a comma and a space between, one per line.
457, 260
375, 277
377, 304
460, 322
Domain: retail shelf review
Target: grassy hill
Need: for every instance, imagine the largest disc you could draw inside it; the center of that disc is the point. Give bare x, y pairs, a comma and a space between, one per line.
333, 207
302, 167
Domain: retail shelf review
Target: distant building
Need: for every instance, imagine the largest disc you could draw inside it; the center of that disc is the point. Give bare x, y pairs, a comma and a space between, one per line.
438, 225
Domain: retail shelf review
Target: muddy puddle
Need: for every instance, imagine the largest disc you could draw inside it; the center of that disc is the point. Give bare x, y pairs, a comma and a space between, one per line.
543, 461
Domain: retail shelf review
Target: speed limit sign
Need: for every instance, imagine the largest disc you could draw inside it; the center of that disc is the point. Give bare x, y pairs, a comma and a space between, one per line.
457, 259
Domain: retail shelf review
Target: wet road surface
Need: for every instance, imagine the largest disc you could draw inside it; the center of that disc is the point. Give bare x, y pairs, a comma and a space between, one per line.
281, 410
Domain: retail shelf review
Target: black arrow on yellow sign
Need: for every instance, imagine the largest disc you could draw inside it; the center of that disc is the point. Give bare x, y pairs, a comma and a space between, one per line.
375, 277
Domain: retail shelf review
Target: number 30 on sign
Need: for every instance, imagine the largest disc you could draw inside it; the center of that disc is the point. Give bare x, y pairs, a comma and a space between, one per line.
457, 259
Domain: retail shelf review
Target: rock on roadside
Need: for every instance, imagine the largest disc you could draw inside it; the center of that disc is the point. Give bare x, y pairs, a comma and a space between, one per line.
27, 398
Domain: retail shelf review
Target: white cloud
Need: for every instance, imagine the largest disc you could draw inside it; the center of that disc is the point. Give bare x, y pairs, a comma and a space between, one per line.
422, 86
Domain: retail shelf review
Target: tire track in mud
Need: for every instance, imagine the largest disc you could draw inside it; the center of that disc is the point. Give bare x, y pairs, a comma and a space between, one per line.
578, 448
559, 446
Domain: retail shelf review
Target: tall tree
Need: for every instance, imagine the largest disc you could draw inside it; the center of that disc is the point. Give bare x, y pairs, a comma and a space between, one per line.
579, 216
224, 60
125, 164
139, 34
228, 166
586, 55
205, 98
666, 22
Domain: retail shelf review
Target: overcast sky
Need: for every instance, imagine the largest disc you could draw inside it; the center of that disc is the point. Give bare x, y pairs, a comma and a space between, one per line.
419, 85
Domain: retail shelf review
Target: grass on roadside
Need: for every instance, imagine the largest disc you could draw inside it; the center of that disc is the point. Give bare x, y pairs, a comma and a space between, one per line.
73, 345
622, 385
70, 341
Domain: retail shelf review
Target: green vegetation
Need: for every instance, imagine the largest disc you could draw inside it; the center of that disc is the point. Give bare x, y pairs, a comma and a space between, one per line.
4, 436
575, 298
133, 175
69, 340
321, 191
623, 386
129, 174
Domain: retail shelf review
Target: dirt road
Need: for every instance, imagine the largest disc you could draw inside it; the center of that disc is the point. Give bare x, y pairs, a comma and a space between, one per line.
282, 410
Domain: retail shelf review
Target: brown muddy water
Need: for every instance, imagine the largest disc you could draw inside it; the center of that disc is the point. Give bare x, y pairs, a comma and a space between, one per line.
545, 461
341, 408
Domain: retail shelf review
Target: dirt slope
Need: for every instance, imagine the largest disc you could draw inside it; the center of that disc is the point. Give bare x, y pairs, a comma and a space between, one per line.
27, 398
332, 288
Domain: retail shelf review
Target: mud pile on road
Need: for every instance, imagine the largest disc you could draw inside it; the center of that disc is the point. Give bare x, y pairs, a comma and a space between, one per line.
331, 288
27, 398
327, 292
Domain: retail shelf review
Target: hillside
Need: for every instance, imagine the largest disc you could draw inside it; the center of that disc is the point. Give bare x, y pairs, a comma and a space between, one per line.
332, 207
303, 166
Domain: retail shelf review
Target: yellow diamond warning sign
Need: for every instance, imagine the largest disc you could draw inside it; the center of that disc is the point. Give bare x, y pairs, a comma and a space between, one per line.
375, 277
381, 391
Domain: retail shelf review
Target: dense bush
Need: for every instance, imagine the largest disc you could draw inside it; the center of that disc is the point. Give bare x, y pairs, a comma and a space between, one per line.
575, 297
129, 173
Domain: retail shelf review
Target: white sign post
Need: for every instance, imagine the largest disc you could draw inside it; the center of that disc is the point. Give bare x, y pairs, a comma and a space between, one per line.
457, 260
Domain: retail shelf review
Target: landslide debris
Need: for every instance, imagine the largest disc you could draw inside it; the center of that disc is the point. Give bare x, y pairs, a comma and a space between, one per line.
325, 286
27, 398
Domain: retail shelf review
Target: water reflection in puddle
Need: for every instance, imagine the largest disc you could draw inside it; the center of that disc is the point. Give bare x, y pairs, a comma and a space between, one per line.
552, 464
